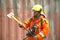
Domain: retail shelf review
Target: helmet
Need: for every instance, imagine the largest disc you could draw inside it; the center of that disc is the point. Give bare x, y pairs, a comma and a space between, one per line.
37, 8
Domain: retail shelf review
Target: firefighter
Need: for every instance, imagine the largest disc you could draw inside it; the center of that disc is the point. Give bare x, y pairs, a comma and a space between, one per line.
37, 25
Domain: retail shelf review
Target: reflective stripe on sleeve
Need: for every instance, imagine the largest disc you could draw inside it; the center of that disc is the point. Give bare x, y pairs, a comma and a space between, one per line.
41, 34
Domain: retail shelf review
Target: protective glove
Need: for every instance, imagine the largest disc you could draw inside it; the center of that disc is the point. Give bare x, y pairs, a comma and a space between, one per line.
20, 25
29, 34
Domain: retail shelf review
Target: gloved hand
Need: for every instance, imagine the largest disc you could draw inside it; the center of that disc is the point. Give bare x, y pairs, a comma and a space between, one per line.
20, 25
29, 34
32, 30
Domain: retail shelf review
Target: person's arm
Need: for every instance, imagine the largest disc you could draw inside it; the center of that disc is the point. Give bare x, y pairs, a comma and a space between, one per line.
44, 30
25, 24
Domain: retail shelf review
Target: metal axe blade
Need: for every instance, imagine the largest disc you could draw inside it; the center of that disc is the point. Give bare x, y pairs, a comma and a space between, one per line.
10, 14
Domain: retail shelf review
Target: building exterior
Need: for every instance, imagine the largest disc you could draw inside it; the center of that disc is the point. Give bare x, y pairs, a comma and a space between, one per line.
9, 29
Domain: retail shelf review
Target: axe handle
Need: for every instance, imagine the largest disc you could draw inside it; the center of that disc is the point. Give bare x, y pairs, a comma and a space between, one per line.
14, 18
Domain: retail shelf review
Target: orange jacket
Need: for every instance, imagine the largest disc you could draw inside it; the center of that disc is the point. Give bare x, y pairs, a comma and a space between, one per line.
42, 29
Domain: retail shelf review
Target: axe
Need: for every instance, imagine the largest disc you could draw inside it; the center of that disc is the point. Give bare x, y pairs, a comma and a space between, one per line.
11, 16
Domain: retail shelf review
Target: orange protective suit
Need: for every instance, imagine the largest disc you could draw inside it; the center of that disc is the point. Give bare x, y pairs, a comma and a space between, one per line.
41, 28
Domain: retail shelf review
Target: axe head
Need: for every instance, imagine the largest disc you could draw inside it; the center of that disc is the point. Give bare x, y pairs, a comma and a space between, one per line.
10, 14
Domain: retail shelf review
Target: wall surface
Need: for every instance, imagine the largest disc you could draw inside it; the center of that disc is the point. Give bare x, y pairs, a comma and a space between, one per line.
9, 29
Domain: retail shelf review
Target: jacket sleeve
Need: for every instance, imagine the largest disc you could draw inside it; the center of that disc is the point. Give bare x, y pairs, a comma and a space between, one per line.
44, 29
26, 23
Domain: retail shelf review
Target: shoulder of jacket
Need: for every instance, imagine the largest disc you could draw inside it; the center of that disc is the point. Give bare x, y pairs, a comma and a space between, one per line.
45, 20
